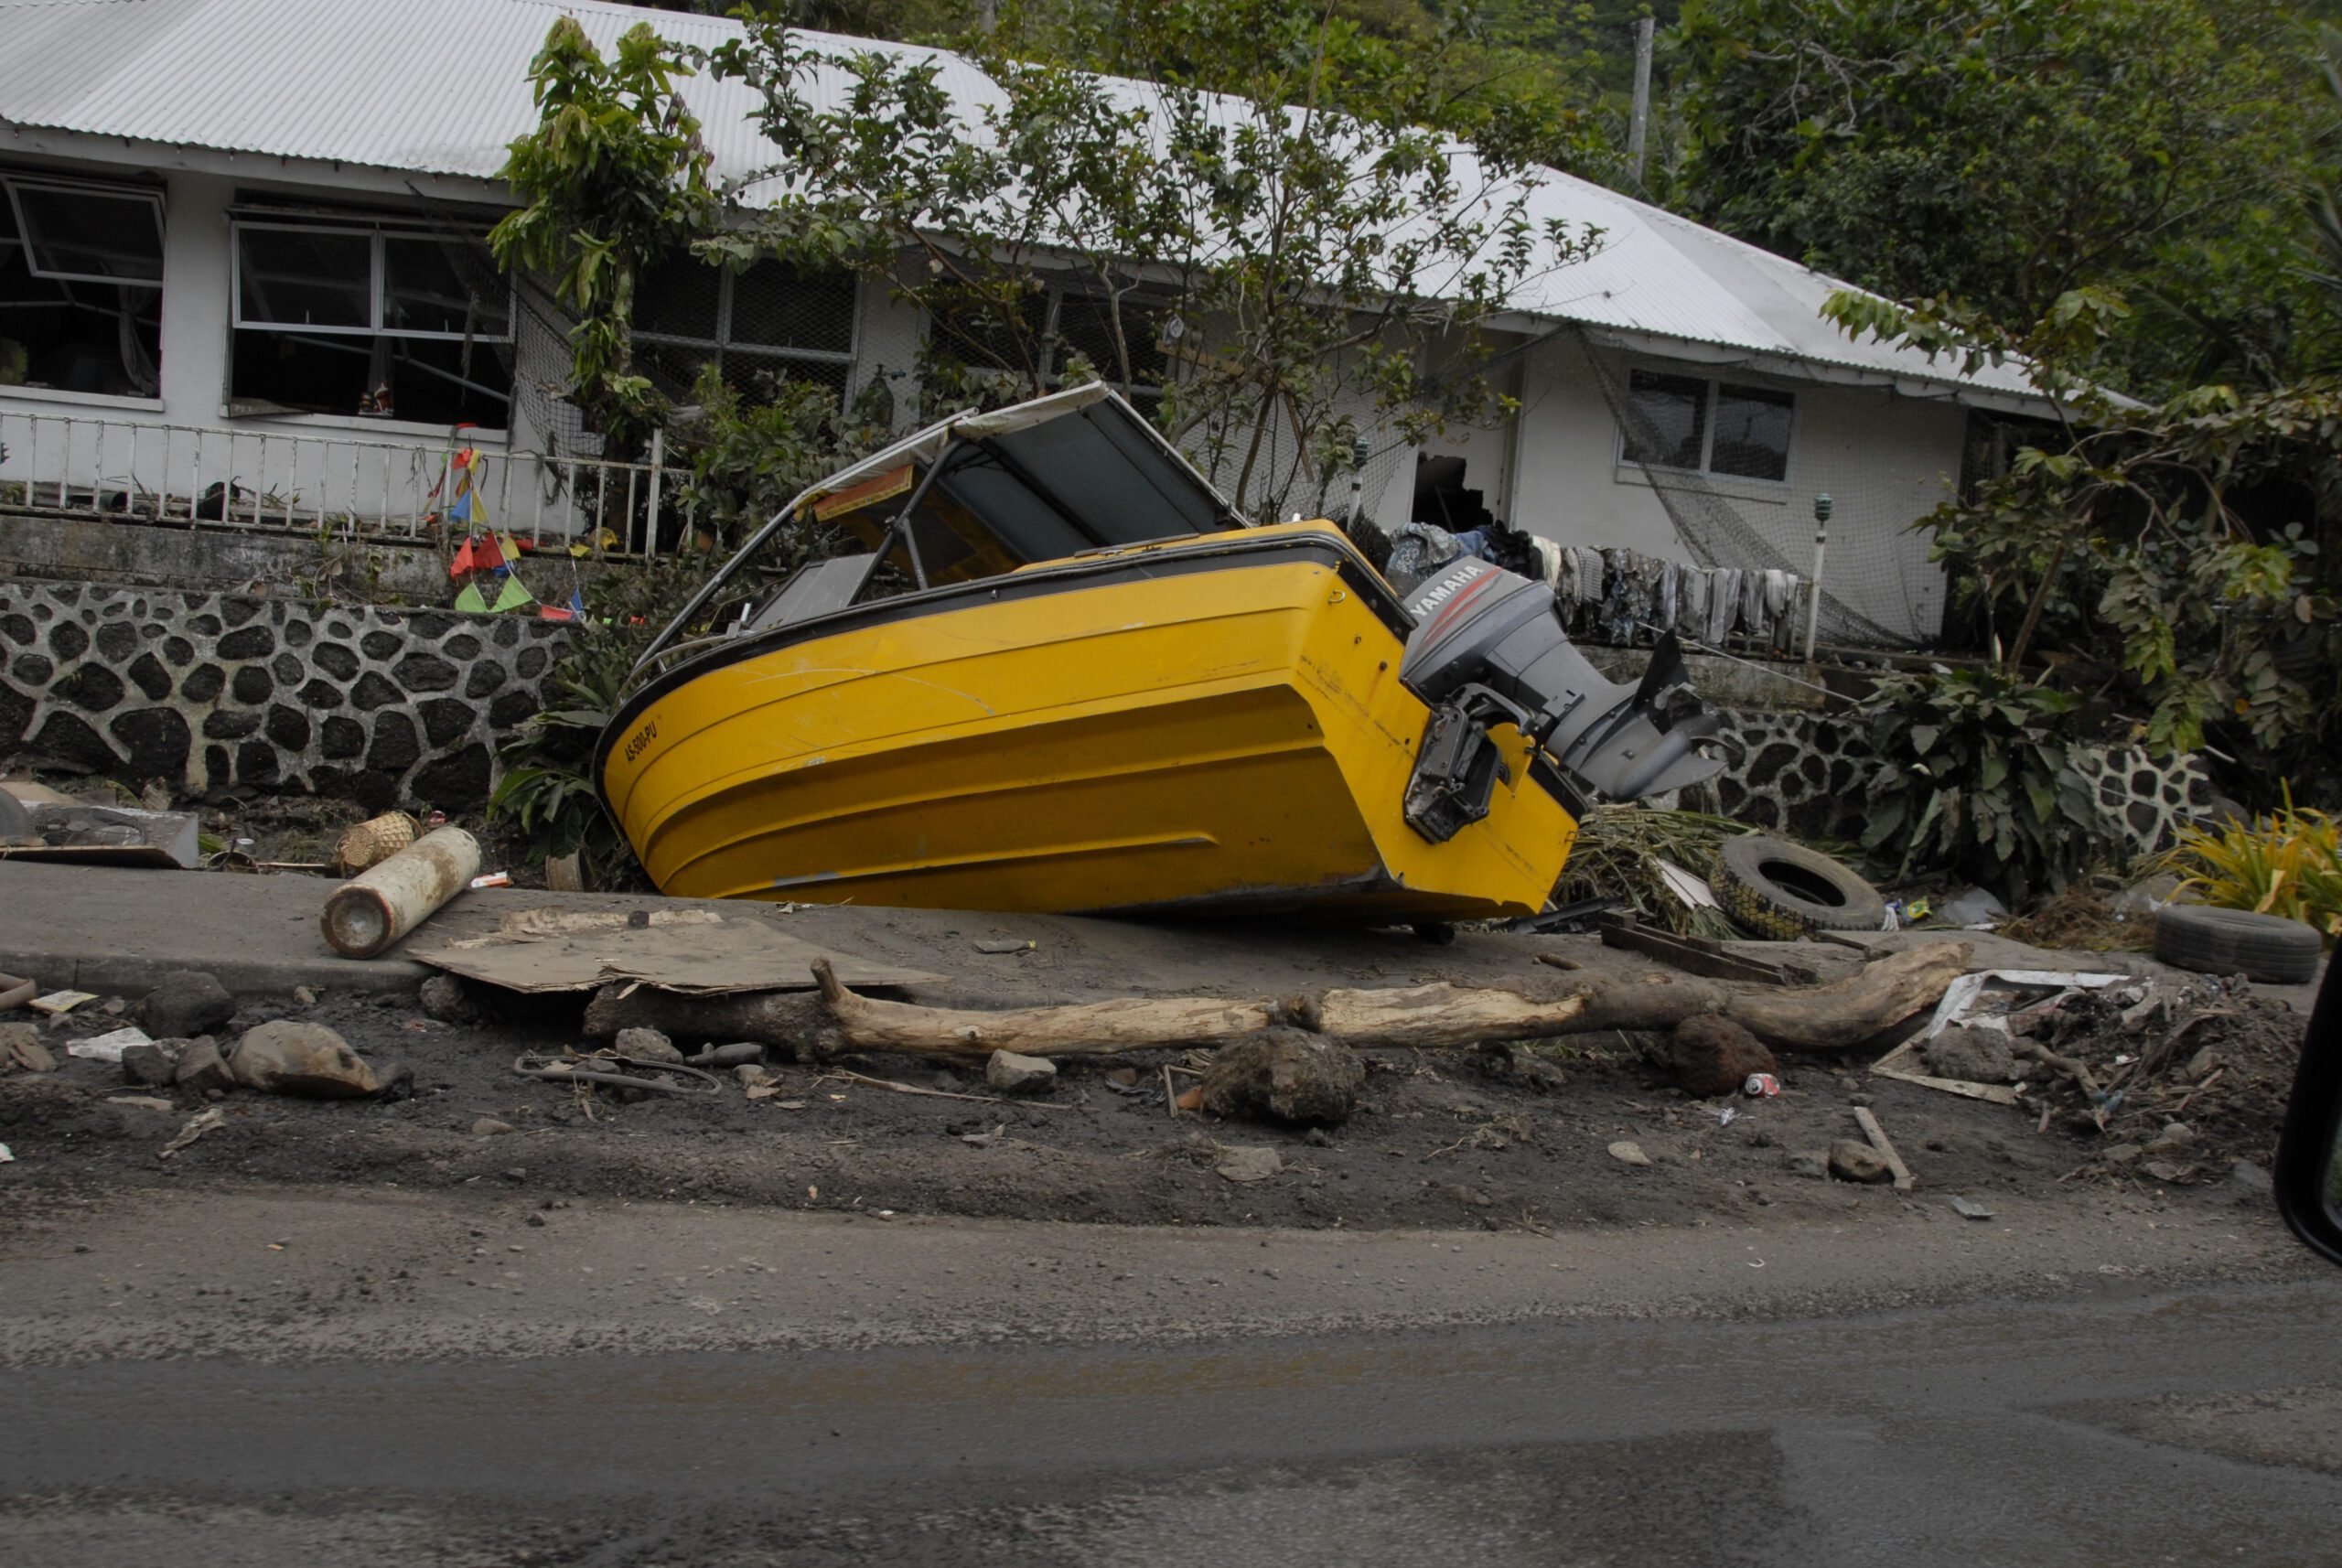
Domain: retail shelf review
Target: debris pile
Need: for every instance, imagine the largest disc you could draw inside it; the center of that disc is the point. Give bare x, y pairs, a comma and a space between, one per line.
2176, 1082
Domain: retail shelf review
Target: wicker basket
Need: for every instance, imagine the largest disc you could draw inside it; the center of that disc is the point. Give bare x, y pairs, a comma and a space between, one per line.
375, 841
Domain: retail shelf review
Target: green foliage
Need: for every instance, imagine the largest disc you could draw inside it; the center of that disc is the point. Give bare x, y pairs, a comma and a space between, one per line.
613, 176
2183, 553
548, 789
1298, 257
746, 458
2005, 153
2288, 863
1970, 776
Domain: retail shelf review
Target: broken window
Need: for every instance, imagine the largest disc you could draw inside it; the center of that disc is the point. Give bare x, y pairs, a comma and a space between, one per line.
81, 287
352, 319
1704, 427
770, 323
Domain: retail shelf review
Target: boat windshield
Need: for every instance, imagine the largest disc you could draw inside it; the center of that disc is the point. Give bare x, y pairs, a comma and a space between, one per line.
974, 496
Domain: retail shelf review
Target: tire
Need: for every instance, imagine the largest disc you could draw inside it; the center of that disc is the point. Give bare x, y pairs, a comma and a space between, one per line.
1781, 890
2267, 948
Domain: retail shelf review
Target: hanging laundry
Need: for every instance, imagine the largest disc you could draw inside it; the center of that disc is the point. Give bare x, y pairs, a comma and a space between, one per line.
1417, 550
1693, 621
1780, 597
1723, 603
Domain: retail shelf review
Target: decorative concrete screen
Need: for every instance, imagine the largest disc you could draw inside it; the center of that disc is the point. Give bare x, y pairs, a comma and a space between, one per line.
206, 692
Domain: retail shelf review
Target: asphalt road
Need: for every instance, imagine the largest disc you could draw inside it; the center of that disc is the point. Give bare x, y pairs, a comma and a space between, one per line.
2191, 1427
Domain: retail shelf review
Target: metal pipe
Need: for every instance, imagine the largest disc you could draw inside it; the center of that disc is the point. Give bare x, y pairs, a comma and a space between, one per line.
1822, 505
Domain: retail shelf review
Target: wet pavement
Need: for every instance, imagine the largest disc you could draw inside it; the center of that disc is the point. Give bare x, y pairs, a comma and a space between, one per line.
1979, 1434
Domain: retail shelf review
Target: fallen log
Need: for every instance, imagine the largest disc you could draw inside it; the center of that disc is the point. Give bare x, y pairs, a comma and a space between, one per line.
1842, 1016
795, 1022
1821, 1018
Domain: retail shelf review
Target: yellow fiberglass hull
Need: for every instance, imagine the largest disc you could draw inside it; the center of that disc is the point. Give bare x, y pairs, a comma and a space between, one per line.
1224, 732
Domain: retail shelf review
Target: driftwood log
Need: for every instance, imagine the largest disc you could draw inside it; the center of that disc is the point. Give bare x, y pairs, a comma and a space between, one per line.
1817, 1018
796, 1022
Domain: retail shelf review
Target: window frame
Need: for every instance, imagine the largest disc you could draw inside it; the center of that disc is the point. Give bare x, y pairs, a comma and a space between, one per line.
378, 269
11, 181
723, 343
1057, 294
1712, 394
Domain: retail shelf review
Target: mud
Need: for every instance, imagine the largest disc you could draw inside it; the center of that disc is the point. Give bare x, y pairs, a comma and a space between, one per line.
1501, 1140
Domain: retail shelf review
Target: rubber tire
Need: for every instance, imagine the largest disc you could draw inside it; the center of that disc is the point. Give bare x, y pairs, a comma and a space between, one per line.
2270, 949
1781, 890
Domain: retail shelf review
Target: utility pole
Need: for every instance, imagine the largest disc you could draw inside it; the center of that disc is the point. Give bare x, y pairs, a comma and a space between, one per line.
1637, 126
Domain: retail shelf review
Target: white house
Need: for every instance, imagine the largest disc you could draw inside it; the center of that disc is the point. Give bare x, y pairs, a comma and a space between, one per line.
240, 278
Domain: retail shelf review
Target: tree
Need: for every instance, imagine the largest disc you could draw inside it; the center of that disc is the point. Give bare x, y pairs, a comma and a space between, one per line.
2005, 153
1268, 264
2197, 538
613, 177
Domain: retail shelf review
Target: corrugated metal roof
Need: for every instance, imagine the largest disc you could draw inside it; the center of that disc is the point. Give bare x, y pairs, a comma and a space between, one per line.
441, 86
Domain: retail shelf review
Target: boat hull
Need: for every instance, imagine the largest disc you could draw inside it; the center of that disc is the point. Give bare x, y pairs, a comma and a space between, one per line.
1223, 732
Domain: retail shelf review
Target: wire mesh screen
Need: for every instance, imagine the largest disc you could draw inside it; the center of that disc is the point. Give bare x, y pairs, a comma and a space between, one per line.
1680, 431
768, 324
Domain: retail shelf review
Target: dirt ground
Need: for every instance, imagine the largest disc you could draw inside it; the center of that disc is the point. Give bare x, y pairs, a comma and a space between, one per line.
1510, 1140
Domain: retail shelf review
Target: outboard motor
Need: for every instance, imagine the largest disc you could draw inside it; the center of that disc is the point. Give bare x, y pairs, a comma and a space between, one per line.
1488, 648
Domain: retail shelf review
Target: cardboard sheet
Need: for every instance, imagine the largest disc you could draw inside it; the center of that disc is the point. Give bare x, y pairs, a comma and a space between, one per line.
695, 953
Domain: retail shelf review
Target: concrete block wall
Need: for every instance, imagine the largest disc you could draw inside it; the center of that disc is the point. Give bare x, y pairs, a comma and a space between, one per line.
213, 691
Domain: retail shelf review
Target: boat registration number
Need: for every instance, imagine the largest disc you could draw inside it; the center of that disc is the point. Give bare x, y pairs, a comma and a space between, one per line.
640, 741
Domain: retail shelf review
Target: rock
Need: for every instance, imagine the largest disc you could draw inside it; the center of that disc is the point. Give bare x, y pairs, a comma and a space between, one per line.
1284, 1075
2141, 899
489, 1127
443, 997
1628, 1153
1709, 1055
2122, 1154
185, 1002
1470, 1197
1851, 1159
1814, 1162
2199, 1066
1973, 1056
2162, 1170
648, 1045
1969, 1208
1972, 907
1011, 1073
20, 1047
1253, 1163
201, 1070
305, 1060
155, 1064
2175, 1137
305, 997
2251, 1183
141, 1102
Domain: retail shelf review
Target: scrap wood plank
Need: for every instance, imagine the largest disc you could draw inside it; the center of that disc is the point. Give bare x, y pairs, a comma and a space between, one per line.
698, 953
1693, 955
1904, 1180
1891, 1065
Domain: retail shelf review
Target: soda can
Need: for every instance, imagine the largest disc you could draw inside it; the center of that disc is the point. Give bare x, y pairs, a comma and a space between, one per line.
1761, 1085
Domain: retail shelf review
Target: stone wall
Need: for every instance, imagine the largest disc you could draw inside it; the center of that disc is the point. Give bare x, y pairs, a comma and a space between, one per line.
1803, 774
1799, 774
214, 691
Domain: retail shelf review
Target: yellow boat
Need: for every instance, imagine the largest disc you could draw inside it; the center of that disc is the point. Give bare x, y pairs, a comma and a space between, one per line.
1097, 691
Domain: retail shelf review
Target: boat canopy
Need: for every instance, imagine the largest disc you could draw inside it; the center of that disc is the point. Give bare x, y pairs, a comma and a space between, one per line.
980, 494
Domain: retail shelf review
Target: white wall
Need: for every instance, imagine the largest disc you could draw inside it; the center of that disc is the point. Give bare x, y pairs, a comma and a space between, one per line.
1885, 460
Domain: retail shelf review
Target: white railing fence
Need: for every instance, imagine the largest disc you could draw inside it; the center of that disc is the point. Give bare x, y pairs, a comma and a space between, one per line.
342, 486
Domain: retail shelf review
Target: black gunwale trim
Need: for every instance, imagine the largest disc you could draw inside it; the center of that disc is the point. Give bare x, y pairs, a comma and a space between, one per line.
1210, 553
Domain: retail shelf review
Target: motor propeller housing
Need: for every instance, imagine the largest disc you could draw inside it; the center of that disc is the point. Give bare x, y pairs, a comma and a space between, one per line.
1489, 648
